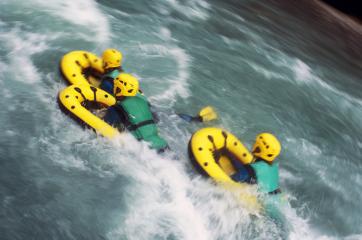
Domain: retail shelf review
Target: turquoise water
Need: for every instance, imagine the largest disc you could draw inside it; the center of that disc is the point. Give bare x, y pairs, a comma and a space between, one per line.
264, 65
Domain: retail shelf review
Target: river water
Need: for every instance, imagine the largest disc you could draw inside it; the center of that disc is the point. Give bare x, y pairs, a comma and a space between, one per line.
287, 67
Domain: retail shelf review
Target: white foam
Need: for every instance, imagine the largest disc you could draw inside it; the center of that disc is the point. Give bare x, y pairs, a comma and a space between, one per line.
165, 33
286, 176
300, 228
176, 85
57, 155
353, 237
197, 9
326, 167
81, 12
302, 71
163, 201
161, 205
10, 133
346, 104
304, 74
303, 146
225, 213
269, 74
21, 46
275, 57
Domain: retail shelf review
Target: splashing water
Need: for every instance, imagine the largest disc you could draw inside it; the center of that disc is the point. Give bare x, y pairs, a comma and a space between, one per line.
262, 66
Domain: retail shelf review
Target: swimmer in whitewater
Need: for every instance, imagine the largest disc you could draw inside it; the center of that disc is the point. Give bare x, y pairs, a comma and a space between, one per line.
112, 65
263, 170
132, 111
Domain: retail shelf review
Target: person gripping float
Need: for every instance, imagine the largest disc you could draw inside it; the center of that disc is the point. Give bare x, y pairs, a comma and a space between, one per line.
219, 154
132, 111
263, 170
112, 65
86, 71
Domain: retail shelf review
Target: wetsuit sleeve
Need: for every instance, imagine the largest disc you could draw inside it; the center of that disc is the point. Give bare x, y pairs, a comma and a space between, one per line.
107, 84
197, 119
244, 173
113, 118
241, 175
189, 118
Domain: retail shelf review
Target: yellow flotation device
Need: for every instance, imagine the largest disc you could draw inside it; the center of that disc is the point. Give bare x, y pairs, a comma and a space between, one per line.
206, 148
73, 100
74, 64
205, 145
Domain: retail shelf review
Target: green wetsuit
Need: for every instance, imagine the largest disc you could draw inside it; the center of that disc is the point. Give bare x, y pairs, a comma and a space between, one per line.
138, 119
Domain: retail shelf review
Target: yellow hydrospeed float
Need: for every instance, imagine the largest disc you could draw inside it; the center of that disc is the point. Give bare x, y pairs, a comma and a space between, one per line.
81, 67
74, 100
209, 151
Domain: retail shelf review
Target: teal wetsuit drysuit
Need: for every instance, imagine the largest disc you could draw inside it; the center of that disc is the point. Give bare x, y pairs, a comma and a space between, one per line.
135, 114
266, 175
267, 178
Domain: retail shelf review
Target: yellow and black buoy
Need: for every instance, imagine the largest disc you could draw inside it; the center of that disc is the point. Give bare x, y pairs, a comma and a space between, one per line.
73, 101
210, 149
74, 66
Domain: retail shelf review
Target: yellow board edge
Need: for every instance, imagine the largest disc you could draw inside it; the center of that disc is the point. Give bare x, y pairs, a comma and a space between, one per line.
202, 150
72, 98
74, 63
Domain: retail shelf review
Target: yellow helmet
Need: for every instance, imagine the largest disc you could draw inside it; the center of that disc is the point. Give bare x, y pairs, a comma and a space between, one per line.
266, 146
125, 85
112, 58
